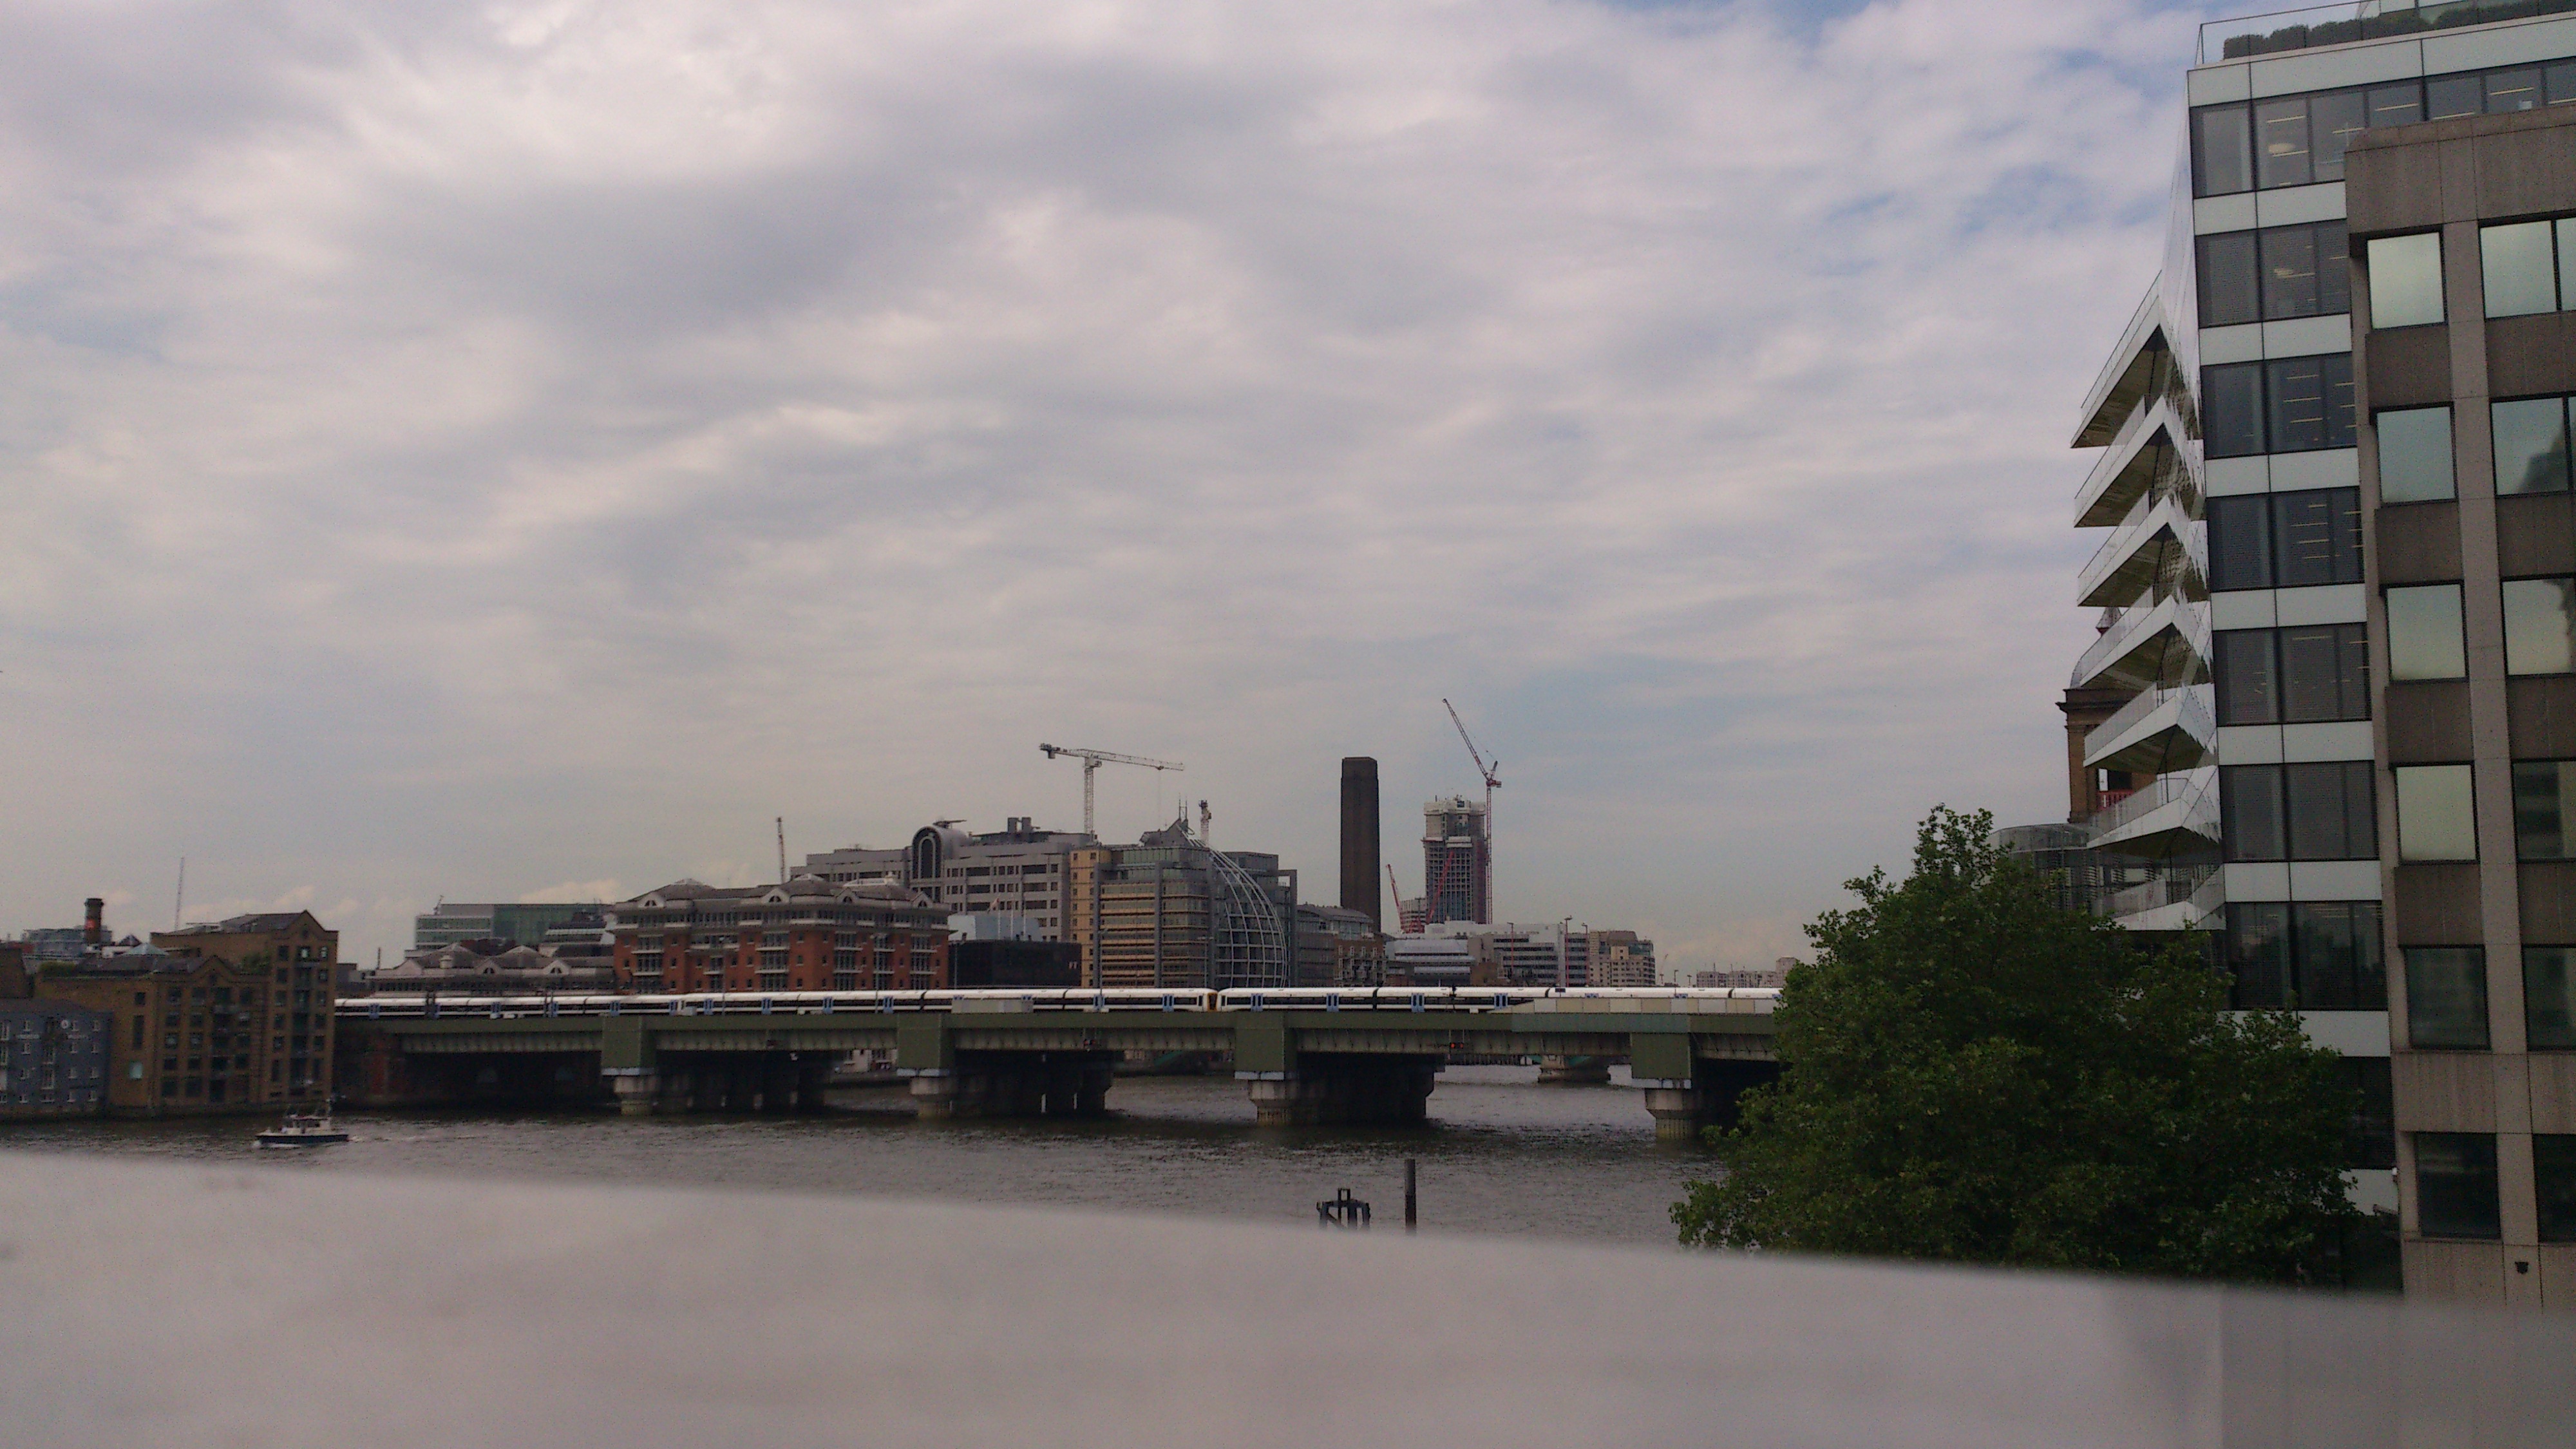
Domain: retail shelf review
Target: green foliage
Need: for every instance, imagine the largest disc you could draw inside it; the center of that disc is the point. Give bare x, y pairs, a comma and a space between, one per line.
1973, 1074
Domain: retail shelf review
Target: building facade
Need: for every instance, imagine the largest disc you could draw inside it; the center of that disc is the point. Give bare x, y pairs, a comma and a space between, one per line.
1338, 946
523, 923
2262, 647
2463, 238
1170, 912
1017, 870
1457, 863
53, 1059
809, 934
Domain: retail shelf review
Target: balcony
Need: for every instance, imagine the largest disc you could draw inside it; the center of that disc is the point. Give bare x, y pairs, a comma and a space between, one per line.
2316, 25
2129, 374
2140, 551
2187, 902
2171, 815
2134, 457
2160, 731
2152, 642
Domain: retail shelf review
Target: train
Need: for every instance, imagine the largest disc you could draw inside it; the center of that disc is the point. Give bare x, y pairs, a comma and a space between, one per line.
1755, 999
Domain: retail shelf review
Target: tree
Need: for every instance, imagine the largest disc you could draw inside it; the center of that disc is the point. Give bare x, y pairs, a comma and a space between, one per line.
1973, 1074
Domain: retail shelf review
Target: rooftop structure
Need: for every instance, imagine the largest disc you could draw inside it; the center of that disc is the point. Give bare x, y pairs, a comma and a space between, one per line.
1017, 870
523, 922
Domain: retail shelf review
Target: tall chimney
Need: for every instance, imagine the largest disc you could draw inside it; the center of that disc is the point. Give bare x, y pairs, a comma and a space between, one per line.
1359, 840
94, 923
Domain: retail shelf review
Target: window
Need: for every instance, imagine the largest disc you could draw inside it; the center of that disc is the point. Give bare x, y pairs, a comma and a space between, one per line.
2553, 1174
2414, 454
2285, 540
2544, 809
2406, 280
2530, 445
2518, 268
2277, 273
2424, 640
2313, 955
2446, 997
2549, 997
2455, 1185
2221, 151
2320, 811
2436, 813
2288, 405
2540, 626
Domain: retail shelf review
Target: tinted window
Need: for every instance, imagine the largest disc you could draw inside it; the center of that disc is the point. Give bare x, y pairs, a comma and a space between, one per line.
2229, 291
2530, 445
2549, 997
2539, 626
2325, 673
2240, 542
2336, 960
2333, 120
2297, 412
2560, 82
2401, 104
2437, 816
2414, 455
2406, 280
2544, 809
2250, 824
2553, 1181
2519, 268
2289, 272
2334, 268
2424, 633
2316, 537
2513, 90
2247, 692
2454, 95
2221, 148
2281, 142
2328, 806
2232, 410
2258, 941
2446, 997
2455, 1185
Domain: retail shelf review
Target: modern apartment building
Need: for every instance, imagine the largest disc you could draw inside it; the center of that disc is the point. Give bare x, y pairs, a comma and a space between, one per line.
525, 923
1017, 870
2326, 775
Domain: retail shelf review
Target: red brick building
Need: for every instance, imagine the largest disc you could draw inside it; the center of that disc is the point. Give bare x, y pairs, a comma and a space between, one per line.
806, 935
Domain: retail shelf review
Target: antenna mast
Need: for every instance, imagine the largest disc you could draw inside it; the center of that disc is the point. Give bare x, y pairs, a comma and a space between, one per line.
782, 850
179, 902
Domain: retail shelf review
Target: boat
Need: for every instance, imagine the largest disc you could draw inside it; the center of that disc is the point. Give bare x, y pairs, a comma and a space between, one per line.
302, 1131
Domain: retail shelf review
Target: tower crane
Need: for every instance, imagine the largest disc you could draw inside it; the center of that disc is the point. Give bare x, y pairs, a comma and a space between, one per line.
1092, 760
1491, 771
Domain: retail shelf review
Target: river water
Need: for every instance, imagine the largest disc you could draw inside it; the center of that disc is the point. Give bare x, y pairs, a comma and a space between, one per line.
1501, 1154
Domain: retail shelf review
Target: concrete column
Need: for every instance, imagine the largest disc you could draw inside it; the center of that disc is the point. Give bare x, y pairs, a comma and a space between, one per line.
1679, 1113
638, 1090
1343, 1090
934, 1095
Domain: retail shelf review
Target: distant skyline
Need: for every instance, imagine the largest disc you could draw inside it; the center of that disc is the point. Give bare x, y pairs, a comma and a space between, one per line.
520, 451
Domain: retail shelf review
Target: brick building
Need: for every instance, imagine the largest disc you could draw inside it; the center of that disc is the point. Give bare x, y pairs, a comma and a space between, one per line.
806, 935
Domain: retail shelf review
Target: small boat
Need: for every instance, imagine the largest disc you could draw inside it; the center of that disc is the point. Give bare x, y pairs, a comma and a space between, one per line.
302, 1131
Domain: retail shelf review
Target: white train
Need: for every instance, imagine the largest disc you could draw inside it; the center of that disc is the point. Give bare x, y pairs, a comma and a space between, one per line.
1756, 999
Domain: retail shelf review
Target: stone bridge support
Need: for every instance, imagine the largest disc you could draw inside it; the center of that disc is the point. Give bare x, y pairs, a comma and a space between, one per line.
1016, 1084
1331, 1089
1688, 1094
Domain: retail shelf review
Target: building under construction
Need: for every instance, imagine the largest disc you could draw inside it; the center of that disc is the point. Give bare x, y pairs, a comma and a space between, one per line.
1457, 862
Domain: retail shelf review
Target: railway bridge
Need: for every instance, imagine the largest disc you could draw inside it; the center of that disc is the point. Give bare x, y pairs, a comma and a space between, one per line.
1305, 1056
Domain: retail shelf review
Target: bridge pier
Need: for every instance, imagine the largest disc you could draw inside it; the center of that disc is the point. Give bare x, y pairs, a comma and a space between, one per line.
1015, 1084
1573, 1071
1321, 1090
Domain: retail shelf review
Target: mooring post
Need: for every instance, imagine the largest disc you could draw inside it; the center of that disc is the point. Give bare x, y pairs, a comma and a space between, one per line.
1409, 1205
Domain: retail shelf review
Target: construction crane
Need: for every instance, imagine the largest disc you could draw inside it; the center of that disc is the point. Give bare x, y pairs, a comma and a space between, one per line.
1491, 771
1092, 760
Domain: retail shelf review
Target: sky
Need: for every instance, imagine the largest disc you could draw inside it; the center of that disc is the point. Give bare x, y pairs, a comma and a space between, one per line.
519, 451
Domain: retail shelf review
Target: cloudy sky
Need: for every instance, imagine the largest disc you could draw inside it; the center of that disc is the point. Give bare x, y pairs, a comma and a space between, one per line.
493, 452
